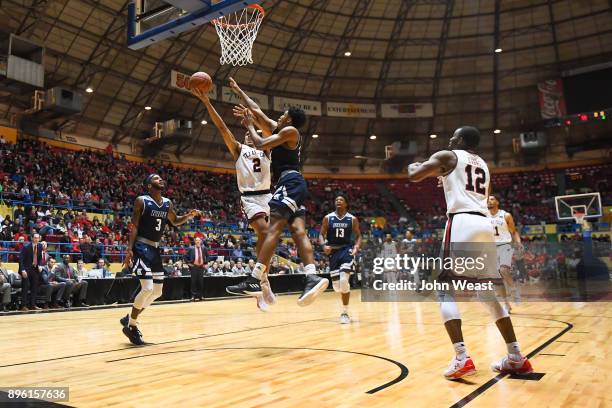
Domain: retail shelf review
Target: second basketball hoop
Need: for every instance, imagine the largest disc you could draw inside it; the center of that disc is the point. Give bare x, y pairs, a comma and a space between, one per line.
237, 33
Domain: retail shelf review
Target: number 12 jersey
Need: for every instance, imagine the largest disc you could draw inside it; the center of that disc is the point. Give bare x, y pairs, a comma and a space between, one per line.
466, 188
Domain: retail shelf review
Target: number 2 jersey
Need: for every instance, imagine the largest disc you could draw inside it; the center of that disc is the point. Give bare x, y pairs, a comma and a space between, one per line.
466, 188
153, 219
252, 170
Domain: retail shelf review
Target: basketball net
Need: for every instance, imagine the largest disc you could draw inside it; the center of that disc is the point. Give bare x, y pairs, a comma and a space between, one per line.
237, 32
580, 218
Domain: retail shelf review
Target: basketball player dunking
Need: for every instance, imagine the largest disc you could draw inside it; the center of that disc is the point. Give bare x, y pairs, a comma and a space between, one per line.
283, 139
337, 232
466, 182
252, 176
506, 234
151, 214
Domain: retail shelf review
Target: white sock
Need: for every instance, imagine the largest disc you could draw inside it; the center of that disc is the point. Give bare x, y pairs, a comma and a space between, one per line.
132, 322
258, 270
514, 351
310, 268
345, 309
460, 350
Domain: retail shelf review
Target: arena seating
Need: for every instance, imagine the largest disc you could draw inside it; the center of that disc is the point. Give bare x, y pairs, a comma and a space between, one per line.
68, 195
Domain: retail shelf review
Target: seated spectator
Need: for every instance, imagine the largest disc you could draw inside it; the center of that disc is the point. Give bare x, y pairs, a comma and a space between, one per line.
169, 268
5, 288
214, 269
76, 286
100, 271
81, 269
237, 252
226, 268
89, 250
249, 268
238, 269
54, 290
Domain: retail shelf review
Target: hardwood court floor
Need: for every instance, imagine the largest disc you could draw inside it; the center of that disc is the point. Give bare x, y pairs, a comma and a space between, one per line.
228, 354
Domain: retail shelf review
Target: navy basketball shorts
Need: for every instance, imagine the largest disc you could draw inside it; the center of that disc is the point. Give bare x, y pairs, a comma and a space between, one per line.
289, 196
341, 260
147, 262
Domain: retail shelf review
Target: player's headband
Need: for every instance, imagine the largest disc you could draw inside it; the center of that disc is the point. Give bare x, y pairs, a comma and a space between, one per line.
149, 179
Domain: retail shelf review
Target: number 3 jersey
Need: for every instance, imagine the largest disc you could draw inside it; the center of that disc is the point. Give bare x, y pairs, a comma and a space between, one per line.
340, 230
252, 170
466, 188
153, 219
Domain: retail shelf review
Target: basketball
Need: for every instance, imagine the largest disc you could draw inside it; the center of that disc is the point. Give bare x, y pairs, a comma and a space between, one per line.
201, 80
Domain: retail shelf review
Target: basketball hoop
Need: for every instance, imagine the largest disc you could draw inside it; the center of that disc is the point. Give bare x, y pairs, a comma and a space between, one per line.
579, 217
237, 32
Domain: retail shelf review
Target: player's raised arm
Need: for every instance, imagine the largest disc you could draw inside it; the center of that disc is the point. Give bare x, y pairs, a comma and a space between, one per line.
357, 235
288, 134
177, 220
228, 137
136, 213
439, 164
261, 120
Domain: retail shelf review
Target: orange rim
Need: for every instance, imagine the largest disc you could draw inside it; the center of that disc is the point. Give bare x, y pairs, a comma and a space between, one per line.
253, 6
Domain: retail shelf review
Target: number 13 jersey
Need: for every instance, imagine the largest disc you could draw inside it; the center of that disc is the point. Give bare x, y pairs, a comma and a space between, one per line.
252, 170
466, 188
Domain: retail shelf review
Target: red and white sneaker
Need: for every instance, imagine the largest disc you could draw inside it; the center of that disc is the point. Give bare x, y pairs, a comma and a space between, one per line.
460, 368
509, 366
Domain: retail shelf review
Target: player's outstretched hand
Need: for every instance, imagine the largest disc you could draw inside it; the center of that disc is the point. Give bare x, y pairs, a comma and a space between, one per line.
440, 182
194, 213
248, 119
198, 93
240, 110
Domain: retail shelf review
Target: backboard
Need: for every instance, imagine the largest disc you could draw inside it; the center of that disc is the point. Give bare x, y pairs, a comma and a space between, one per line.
588, 204
150, 21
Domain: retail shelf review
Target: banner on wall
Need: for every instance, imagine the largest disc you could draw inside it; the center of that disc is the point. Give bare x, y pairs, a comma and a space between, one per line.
227, 95
552, 100
351, 110
406, 110
180, 81
281, 104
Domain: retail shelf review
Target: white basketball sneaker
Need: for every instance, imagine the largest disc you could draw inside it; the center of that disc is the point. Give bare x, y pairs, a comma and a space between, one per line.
345, 318
509, 366
267, 293
460, 368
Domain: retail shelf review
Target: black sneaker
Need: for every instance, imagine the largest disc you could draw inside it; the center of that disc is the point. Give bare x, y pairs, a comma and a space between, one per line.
135, 336
125, 320
313, 286
250, 286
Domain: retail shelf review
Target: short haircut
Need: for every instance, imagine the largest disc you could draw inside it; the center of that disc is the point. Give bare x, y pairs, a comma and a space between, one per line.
470, 136
298, 117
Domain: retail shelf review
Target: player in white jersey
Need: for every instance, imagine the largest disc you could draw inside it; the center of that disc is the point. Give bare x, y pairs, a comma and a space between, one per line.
506, 234
252, 176
466, 180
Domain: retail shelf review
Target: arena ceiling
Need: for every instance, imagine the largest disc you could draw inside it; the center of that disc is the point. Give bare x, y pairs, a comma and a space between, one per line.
439, 52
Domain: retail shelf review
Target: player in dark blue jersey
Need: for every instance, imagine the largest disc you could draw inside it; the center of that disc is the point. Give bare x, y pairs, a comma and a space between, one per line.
287, 208
152, 212
341, 237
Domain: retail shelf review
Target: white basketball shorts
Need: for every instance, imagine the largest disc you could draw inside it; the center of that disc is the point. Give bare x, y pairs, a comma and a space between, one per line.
255, 205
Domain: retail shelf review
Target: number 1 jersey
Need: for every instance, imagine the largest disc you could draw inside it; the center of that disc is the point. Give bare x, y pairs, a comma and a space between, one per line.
466, 188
